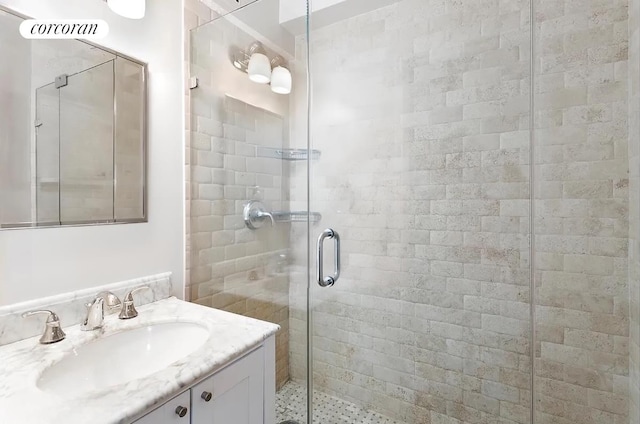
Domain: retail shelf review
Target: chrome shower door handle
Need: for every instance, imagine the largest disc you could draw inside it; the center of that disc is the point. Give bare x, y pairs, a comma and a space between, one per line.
330, 280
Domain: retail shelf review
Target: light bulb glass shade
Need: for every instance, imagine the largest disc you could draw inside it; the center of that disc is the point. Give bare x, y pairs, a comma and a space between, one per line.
281, 80
259, 68
132, 9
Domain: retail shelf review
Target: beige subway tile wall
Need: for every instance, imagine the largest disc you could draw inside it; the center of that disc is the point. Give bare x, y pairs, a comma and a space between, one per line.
195, 14
232, 267
634, 210
582, 211
421, 112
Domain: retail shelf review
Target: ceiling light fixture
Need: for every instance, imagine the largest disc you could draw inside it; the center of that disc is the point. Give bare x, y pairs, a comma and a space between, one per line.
132, 9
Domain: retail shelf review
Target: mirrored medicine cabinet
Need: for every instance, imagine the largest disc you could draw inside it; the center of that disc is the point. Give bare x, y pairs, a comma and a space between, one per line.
72, 132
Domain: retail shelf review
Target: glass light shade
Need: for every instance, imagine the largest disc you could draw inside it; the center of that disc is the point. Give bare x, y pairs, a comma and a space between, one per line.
281, 80
259, 68
132, 9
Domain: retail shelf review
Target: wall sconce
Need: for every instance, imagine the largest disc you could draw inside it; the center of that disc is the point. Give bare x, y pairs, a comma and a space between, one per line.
281, 80
259, 68
132, 9
255, 62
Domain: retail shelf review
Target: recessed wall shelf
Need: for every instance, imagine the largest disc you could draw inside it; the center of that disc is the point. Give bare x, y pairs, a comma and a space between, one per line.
287, 154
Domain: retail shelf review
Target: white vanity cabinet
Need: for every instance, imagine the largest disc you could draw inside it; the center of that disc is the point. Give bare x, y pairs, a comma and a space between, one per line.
170, 412
235, 394
240, 393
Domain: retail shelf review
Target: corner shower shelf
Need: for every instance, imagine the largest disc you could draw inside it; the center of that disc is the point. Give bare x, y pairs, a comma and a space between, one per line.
287, 154
279, 216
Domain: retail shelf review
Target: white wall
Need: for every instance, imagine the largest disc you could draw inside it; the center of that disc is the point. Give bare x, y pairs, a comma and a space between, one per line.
42, 262
325, 12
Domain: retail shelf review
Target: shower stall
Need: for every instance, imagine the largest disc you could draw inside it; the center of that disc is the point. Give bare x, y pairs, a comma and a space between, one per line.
437, 201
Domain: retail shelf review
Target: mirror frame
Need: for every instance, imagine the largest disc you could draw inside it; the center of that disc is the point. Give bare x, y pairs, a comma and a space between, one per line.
145, 146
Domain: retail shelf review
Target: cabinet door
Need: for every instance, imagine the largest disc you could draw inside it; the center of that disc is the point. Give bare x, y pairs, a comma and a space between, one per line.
236, 394
169, 413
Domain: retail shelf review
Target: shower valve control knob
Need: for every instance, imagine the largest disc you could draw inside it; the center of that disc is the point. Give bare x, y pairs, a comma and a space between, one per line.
255, 215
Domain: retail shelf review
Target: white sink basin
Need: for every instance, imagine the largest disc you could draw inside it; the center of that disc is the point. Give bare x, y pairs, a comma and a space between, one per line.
122, 357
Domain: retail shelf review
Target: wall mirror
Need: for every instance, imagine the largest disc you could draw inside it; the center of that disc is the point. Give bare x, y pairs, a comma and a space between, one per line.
72, 132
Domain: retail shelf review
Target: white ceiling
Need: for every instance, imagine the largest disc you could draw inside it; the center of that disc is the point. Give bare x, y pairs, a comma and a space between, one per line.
276, 22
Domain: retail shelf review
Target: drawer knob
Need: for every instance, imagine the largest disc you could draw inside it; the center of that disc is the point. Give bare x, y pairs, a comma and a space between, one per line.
206, 396
181, 411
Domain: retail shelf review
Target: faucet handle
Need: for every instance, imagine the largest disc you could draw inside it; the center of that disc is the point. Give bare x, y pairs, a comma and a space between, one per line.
265, 214
128, 308
52, 331
112, 303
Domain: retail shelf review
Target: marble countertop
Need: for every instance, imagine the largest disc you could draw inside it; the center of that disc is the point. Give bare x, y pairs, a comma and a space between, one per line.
21, 364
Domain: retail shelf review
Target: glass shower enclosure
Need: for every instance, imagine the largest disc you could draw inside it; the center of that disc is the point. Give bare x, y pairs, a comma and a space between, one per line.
440, 211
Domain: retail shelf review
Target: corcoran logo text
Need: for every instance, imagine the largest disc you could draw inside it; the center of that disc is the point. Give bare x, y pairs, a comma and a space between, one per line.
87, 29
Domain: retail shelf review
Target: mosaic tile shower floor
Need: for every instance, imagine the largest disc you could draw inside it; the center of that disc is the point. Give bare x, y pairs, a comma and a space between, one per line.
291, 405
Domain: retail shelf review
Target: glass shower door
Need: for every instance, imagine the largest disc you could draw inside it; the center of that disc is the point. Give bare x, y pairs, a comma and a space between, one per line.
420, 115
247, 161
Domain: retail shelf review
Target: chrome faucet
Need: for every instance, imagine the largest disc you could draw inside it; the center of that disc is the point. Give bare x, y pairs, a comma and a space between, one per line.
96, 310
95, 315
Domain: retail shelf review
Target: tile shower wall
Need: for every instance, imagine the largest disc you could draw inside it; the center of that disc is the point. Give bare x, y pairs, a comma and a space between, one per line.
634, 210
443, 332
195, 14
421, 113
230, 266
582, 191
